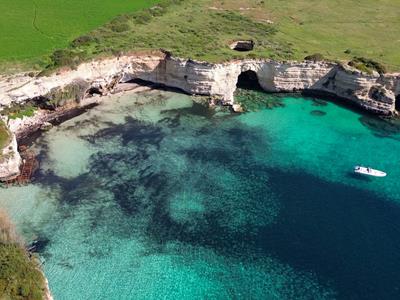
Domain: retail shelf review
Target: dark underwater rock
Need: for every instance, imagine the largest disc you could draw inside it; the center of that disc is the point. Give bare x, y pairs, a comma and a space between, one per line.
318, 113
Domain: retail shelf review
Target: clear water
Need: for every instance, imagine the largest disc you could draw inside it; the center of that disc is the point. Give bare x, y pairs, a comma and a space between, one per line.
151, 196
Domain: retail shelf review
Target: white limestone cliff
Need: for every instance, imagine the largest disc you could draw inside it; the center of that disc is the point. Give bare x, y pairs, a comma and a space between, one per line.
10, 160
374, 92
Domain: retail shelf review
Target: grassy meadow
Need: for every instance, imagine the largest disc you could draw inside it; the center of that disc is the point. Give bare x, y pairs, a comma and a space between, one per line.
200, 29
367, 28
30, 30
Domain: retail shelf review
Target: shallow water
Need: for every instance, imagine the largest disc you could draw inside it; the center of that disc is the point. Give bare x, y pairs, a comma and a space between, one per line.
152, 196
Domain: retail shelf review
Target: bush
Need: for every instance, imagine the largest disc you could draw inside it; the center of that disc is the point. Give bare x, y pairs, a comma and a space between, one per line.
119, 27
367, 65
61, 58
18, 111
70, 93
20, 277
5, 137
143, 17
83, 40
315, 57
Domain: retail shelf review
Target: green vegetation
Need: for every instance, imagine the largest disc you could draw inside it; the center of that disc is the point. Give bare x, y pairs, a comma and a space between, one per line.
71, 93
30, 30
4, 135
203, 29
18, 111
338, 29
173, 25
20, 276
367, 65
315, 57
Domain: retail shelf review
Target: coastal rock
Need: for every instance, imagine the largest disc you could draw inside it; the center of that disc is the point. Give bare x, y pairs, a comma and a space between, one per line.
373, 92
46, 126
47, 292
237, 108
10, 161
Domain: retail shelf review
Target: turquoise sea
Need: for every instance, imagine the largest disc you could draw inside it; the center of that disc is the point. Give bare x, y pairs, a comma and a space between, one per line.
154, 196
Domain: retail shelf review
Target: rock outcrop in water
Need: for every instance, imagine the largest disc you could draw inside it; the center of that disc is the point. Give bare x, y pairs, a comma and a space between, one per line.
373, 92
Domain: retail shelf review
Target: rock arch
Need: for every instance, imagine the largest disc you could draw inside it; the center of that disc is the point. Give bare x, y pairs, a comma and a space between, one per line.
397, 103
248, 80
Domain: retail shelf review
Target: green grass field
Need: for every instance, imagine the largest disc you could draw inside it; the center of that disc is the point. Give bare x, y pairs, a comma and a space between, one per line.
202, 29
368, 28
31, 29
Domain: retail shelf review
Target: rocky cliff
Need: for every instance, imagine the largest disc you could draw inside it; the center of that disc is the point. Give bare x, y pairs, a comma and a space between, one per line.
373, 92
10, 160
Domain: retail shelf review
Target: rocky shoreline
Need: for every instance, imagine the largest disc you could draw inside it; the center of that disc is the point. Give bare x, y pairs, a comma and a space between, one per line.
25, 130
373, 92
74, 91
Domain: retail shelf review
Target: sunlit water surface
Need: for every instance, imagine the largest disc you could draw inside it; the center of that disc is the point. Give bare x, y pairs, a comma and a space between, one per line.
152, 196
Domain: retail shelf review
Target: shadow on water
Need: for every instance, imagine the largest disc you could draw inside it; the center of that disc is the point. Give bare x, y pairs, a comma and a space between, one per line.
359, 177
382, 127
347, 236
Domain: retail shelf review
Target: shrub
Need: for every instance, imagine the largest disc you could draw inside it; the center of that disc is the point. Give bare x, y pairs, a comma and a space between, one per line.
18, 111
20, 277
83, 40
4, 137
142, 17
315, 57
121, 27
367, 65
61, 58
72, 92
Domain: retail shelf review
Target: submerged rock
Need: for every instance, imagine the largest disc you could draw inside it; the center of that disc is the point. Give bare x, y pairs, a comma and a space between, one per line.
318, 113
381, 126
252, 100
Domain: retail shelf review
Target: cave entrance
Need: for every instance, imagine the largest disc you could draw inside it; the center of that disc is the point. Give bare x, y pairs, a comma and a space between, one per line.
397, 103
94, 91
248, 80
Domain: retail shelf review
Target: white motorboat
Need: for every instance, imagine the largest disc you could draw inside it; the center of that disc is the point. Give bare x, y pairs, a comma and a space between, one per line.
369, 171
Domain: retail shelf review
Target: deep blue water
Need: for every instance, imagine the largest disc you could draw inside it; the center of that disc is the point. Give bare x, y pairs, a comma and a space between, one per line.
153, 196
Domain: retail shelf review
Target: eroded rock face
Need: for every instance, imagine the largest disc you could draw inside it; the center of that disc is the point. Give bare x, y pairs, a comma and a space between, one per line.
10, 161
374, 92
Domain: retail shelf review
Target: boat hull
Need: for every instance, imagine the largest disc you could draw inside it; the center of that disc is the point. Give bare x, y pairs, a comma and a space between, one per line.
369, 172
